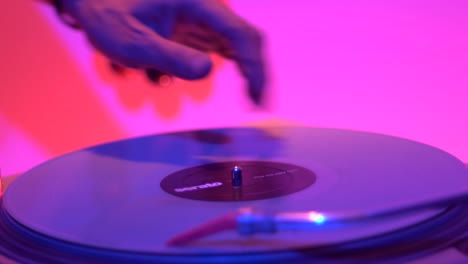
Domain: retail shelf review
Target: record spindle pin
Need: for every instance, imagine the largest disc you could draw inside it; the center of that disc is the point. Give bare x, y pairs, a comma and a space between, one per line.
236, 174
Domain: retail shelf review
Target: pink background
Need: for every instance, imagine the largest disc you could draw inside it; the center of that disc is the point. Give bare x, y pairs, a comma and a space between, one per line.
395, 67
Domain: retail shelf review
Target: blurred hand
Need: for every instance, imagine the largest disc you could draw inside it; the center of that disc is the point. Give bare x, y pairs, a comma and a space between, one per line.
172, 36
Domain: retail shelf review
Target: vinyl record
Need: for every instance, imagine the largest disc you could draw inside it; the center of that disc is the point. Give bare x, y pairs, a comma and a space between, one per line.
132, 196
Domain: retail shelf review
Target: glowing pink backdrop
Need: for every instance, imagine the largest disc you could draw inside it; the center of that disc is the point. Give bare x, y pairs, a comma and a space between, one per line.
393, 67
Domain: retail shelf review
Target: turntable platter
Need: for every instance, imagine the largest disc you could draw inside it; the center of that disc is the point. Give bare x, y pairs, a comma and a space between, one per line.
111, 196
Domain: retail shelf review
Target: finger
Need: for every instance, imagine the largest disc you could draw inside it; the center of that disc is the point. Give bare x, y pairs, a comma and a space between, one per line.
202, 38
133, 44
244, 40
202, 43
176, 59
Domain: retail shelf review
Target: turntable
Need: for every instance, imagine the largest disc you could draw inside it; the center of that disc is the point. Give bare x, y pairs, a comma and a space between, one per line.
241, 195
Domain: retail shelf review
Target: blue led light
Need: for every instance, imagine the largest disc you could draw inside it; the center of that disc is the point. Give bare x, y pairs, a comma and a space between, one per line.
319, 219
316, 217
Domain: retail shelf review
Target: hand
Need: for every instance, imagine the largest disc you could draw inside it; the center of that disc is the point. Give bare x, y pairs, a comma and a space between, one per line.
172, 36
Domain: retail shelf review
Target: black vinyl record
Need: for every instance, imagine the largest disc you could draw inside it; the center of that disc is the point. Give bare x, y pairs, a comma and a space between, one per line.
121, 202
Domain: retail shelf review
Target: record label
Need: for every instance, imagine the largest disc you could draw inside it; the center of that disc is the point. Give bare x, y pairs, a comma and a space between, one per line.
238, 181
